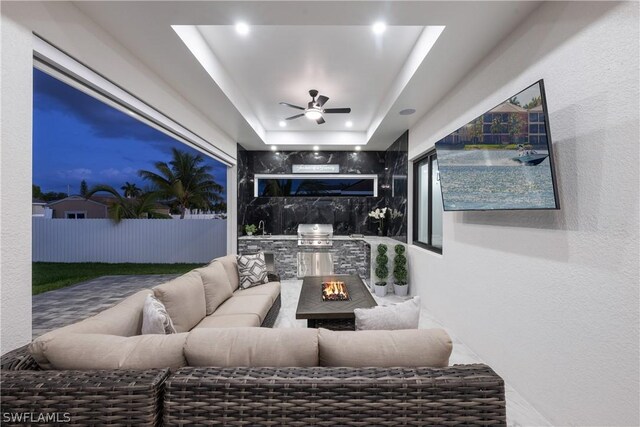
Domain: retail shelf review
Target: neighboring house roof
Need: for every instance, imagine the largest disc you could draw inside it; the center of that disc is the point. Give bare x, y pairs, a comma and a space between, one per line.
35, 201
537, 108
507, 107
77, 198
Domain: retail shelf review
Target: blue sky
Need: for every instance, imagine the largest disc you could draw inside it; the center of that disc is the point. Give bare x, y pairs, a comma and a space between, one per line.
77, 137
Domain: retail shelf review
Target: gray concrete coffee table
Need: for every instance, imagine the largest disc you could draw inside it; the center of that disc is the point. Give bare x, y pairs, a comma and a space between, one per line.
335, 314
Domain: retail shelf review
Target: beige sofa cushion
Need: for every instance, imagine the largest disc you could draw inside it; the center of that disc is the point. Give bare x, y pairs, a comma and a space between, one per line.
402, 348
271, 289
230, 264
184, 300
123, 319
250, 304
99, 351
217, 288
230, 321
252, 347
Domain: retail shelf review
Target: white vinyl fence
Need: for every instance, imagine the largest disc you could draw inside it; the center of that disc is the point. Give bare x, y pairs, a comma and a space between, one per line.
154, 241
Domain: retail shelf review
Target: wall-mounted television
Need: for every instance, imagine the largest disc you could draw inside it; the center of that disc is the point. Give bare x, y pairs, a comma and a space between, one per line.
501, 160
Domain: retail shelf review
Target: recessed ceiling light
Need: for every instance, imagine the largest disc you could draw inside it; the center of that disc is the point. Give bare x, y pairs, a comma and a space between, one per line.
316, 148
242, 28
349, 124
358, 148
379, 27
274, 148
282, 124
407, 111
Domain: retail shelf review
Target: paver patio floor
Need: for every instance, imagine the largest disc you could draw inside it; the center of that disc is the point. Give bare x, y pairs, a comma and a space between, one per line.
68, 305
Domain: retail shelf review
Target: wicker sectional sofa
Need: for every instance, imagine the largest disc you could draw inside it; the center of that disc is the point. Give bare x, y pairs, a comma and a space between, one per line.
101, 371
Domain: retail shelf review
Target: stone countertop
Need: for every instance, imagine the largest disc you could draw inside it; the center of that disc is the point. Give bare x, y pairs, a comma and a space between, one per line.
376, 240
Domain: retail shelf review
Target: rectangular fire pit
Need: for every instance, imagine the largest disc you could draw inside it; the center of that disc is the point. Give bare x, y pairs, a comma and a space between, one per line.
334, 314
335, 291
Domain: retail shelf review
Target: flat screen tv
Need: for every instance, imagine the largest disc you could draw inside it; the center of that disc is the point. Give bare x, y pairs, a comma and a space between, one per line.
501, 160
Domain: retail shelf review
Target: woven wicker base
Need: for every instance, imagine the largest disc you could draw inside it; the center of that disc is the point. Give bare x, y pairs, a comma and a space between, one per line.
105, 397
458, 395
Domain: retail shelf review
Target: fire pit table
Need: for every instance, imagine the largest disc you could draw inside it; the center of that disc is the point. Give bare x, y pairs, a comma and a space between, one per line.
328, 301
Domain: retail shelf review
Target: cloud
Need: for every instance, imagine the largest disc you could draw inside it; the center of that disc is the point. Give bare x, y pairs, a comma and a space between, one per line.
78, 173
53, 95
118, 173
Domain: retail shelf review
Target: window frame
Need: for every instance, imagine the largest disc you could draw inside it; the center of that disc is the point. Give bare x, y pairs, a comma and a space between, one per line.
75, 214
429, 156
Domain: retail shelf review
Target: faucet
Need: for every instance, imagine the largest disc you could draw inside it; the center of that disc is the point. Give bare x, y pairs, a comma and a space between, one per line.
261, 226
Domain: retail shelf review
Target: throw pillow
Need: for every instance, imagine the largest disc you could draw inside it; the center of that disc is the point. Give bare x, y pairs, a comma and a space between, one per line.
252, 270
155, 319
404, 315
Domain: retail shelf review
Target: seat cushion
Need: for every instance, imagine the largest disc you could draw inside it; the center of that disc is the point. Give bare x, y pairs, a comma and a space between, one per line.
99, 351
229, 321
232, 347
123, 319
405, 348
184, 300
271, 289
403, 315
217, 287
250, 304
230, 264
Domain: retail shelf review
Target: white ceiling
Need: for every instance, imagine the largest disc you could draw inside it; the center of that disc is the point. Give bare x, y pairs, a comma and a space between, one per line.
294, 46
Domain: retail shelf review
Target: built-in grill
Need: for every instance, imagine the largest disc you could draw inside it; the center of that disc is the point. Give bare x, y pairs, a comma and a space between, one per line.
315, 235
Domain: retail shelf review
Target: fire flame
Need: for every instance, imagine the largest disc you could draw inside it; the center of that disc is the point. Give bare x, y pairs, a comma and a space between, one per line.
334, 291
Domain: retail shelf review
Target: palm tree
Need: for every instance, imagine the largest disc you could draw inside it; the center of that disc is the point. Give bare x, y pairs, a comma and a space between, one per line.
140, 207
130, 190
185, 181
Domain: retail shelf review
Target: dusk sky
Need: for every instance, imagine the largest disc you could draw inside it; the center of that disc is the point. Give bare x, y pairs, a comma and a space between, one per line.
77, 137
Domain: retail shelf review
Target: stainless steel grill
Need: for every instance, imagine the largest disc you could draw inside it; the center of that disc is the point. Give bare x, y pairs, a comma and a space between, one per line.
315, 235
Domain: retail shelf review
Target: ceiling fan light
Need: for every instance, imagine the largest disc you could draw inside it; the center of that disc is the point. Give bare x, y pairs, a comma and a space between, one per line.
312, 114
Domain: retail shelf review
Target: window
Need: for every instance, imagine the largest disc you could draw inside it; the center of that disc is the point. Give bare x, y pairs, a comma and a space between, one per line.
427, 203
309, 185
75, 215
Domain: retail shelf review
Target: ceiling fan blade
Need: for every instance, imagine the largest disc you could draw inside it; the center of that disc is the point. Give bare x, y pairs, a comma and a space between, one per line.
291, 105
320, 121
337, 110
321, 100
294, 117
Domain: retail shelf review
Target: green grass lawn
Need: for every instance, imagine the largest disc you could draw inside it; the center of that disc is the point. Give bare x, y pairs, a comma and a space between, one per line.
48, 276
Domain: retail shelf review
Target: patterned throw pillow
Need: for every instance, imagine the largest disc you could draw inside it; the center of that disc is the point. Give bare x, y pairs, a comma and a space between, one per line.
252, 270
155, 319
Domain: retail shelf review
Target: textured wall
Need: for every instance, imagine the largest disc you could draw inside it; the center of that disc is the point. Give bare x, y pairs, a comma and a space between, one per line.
550, 299
15, 185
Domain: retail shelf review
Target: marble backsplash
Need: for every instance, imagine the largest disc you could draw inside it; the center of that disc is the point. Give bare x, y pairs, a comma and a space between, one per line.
347, 214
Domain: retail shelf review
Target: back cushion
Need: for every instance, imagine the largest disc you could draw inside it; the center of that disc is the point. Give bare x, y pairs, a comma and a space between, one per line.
123, 319
98, 351
231, 347
184, 300
217, 288
403, 348
230, 264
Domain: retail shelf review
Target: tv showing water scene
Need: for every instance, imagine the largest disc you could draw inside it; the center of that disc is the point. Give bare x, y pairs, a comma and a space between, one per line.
501, 160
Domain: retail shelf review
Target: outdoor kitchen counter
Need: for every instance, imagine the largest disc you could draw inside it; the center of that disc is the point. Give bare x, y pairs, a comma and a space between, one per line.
351, 255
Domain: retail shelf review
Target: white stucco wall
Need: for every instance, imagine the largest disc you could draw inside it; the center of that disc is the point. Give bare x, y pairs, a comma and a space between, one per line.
15, 187
550, 299
63, 25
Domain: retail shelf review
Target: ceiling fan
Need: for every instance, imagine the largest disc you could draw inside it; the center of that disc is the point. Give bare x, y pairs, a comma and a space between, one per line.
314, 110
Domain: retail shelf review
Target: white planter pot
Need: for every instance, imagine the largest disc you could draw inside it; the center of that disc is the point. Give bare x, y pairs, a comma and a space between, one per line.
400, 290
249, 233
380, 290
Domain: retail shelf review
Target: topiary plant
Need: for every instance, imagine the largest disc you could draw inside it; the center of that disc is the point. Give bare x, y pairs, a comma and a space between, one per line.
400, 265
382, 271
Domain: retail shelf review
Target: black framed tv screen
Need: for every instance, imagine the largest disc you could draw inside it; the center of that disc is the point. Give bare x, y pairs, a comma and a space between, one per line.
501, 160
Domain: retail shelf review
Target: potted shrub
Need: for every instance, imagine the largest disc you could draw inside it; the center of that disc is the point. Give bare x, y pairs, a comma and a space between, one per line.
400, 285
382, 271
250, 229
